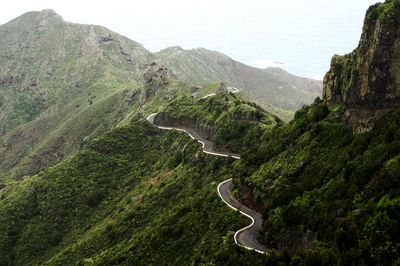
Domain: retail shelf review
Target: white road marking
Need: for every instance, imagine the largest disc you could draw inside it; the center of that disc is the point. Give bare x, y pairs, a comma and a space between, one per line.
235, 237
150, 119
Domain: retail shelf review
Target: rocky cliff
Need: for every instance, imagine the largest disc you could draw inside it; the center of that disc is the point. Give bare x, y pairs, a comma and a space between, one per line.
156, 77
367, 81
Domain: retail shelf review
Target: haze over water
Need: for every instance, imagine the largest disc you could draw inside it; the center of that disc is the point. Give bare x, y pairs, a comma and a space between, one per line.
300, 36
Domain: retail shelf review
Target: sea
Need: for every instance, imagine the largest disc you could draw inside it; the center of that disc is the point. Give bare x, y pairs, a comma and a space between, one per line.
300, 36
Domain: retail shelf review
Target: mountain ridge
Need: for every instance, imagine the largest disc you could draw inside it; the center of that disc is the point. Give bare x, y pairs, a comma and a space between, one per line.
53, 71
138, 195
259, 84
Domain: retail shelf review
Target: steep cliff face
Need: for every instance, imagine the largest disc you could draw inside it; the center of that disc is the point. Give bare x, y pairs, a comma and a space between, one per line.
367, 81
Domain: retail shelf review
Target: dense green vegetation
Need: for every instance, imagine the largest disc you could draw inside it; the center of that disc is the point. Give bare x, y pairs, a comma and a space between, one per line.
137, 195
134, 196
141, 196
229, 122
325, 188
388, 13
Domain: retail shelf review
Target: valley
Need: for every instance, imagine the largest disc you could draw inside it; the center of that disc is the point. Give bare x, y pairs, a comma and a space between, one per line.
113, 155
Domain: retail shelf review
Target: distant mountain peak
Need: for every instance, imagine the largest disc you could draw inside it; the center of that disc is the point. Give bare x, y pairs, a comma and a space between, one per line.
35, 18
172, 49
49, 11
48, 14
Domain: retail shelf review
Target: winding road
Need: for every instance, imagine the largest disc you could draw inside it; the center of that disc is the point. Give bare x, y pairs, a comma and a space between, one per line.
207, 145
247, 236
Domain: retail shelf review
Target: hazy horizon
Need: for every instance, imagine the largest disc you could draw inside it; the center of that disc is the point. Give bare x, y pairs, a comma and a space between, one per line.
301, 37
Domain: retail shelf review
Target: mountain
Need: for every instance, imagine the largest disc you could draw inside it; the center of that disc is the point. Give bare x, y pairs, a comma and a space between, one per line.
140, 195
367, 81
136, 195
62, 84
271, 86
329, 181
47, 62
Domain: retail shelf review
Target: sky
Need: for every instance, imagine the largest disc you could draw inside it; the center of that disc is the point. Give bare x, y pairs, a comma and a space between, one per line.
300, 36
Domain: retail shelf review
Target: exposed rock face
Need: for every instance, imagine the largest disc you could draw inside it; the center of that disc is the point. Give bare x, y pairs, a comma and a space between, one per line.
106, 39
222, 87
194, 90
367, 81
156, 76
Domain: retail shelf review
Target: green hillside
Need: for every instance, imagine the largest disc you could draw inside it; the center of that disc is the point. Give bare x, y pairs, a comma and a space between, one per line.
138, 195
103, 186
48, 63
324, 188
226, 120
135, 195
62, 84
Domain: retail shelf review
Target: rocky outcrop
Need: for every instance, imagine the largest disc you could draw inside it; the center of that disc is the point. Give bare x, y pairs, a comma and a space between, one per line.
222, 87
106, 39
156, 76
194, 91
367, 81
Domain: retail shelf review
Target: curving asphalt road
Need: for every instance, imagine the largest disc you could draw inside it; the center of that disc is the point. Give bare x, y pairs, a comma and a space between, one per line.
247, 236
207, 145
